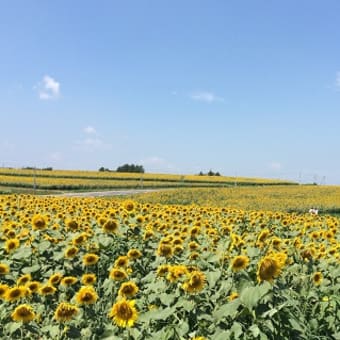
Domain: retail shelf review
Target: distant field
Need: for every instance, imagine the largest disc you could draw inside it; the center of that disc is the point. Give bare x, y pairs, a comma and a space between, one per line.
15, 179
287, 198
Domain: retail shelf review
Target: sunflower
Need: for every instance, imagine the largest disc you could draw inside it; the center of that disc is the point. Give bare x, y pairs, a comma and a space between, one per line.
122, 261
268, 269
176, 272
55, 278
134, 254
78, 240
110, 226
65, 312
124, 313
86, 296
128, 289
129, 205
39, 222
163, 270
118, 274
15, 293
164, 250
239, 262
3, 290
317, 278
47, 289
90, 259
4, 269
195, 282
33, 286
23, 313
11, 244
233, 296
88, 279
23, 279
68, 281
71, 252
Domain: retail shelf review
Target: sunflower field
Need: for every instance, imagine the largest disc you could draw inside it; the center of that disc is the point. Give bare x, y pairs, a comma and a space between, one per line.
95, 268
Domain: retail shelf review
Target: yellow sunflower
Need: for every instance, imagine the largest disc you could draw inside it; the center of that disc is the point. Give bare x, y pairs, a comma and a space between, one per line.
88, 279
118, 274
90, 259
110, 226
233, 296
47, 289
68, 281
268, 269
122, 261
164, 250
3, 290
33, 286
71, 252
11, 244
239, 262
317, 278
39, 222
23, 313
4, 269
65, 312
15, 293
195, 282
128, 289
55, 278
134, 254
124, 313
86, 295
23, 279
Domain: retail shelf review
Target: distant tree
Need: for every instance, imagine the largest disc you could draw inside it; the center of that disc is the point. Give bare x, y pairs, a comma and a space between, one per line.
102, 169
131, 168
210, 173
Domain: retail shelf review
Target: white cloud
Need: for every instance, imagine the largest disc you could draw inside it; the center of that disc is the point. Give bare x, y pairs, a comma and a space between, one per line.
92, 144
275, 165
56, 156
205, 96
337, 80
157, 164
90, 130
48, 88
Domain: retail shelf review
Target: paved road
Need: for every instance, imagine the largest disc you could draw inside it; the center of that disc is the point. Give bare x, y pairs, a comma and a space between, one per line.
105, 193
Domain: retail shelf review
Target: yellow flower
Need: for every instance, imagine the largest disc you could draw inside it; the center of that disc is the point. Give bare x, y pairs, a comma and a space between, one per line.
122, 261
88, 279
90, 259
23, 279
195, 282
239, 262
15, 293
65, 312
176, 272
268, 269
110, 226
39, 222
55, 278
68, 281
134, 254
129, 205
3, 290
233, 296
128, 289
4, 269
86, 295
33, 286
163, 270
317, 278
117, 274
23, 313
11, 244
164, 250
124, 313
71, 252
47, 289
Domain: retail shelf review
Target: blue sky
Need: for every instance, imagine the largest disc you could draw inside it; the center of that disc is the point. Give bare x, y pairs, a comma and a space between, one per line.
247, 88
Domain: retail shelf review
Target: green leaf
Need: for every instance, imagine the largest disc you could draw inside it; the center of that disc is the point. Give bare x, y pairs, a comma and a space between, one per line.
255, 330
22, 253
12, 327
236, 328
296, 325
229, 309
43, 246
166, 299
33, 269
212, 278
250, 296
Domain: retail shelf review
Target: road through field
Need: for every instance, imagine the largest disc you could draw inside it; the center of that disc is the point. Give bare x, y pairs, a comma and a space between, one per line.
105, 193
